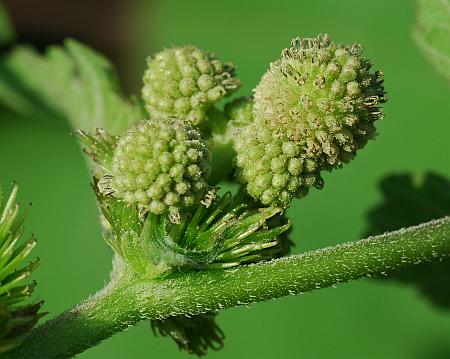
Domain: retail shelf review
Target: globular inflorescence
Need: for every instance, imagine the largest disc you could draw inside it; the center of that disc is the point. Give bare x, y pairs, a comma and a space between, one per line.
162, 165
313, 109
184, 82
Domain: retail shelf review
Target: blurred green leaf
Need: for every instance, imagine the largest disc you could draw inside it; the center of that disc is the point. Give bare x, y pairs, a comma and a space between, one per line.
72, 82
6, 28
411, 199
432, 33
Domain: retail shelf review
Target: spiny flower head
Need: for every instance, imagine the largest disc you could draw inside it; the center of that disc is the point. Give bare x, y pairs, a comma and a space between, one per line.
313, 109
161, 165
185, 81
322, 96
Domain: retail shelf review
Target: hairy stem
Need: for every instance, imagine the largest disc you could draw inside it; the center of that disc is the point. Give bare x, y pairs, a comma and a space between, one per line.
129, 299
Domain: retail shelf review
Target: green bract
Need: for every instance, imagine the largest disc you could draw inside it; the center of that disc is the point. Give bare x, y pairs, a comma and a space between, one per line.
219, 234
313, 109
16, 318
184, 82
161, 165
100, 146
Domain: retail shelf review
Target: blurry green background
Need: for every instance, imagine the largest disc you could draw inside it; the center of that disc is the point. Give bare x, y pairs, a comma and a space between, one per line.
363, 319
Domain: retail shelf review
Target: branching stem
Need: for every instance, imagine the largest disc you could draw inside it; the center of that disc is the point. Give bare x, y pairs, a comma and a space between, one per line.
130, 299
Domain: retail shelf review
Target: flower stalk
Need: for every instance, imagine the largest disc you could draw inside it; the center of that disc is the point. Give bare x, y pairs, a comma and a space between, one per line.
129, 298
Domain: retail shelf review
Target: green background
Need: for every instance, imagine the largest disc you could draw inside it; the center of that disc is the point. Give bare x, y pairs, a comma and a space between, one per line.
363, 319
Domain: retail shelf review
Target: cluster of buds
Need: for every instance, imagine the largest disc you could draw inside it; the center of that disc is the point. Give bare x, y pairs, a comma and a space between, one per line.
313, 109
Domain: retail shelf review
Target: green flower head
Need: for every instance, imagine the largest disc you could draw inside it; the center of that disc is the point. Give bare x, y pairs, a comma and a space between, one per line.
184, 82
313, 109
161, 165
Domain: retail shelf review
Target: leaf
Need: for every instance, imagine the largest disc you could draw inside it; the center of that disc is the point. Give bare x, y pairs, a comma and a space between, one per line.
6, 29
72, 82
432, 33
411, 199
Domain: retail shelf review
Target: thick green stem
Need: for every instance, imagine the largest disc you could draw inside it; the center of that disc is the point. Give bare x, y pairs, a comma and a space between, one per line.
127, 300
